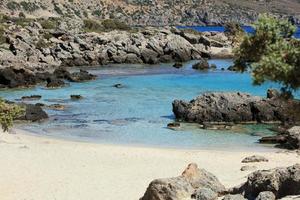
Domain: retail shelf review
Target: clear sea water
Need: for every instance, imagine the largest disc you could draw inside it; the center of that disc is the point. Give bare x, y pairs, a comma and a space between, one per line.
139, 113
248, 29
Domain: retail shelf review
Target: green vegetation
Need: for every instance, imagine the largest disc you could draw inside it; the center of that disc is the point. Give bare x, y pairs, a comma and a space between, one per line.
29, 6
235, 32
96, 13
58, 10
8, 112
271, 53
113, 24
50, 23
92, 26
12, 5
2, 38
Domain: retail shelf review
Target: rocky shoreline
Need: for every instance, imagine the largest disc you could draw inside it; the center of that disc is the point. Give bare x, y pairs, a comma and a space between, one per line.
196, 183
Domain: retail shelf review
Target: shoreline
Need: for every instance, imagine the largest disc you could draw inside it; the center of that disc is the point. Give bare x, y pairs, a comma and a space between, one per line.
263, 148
47, 168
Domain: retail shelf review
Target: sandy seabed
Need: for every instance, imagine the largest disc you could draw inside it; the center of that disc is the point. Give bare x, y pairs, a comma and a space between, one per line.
42, 168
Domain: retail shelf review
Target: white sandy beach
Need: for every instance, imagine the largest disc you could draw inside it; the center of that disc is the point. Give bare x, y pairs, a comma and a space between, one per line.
41, 168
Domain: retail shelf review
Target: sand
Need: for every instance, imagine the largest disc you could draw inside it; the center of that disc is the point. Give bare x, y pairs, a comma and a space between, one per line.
41, 168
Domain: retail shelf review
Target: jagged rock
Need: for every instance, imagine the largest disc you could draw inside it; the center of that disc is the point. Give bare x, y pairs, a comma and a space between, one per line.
267, 195
205, 194
277, 139
254, 158
33, 113
178, 65
223, 108
184, 186
234, 197
76, 97
202, 65
273, 93
82, 75
173, 125
280, 181
53, 82
293, 137
31, 98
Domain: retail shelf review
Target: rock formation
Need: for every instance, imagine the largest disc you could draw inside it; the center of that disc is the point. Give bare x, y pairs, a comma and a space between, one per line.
223, 108
193, 182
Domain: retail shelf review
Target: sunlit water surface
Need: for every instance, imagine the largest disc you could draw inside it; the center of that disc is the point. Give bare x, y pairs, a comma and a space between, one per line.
139, 113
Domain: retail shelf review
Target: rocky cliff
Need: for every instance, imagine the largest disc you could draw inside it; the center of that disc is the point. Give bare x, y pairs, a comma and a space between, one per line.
156, 12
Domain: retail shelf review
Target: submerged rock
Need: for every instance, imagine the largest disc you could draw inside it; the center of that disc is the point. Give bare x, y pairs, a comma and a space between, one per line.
267, 195
202, 65
31, 98
193, 182
248, 168
173, 125
178, 65
76, 97
234, 197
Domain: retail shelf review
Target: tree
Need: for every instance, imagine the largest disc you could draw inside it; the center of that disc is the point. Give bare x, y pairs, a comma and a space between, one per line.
271, 53
8, 112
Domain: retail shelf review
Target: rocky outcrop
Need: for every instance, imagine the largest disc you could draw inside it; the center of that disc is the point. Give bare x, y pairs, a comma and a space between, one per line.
33, 113
13, 77
32, 50
194, 182
222, 108
271, 184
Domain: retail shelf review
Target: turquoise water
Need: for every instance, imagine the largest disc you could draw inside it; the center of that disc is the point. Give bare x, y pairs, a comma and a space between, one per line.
139, 113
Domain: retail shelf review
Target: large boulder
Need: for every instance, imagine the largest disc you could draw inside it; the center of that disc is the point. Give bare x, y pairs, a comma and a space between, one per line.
193, 182
33, 113
279, 181
222, 108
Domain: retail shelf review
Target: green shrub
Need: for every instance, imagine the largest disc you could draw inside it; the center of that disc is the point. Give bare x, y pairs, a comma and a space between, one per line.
271, 53
9, 112
22, 15
49, 23
29, 6
96, 13
58, 10
113, 24
41, 44
92, 26
2, 38
12, 5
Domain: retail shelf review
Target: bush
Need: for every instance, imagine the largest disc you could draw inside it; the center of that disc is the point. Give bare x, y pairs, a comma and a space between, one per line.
2, 38
29, 6
271, 53
92, 26
49, 23
12, 5
112, 24
9, 112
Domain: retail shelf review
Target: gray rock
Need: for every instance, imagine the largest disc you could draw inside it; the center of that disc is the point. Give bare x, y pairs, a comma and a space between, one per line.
223, 108
171, 188
205, 194
267, 195
293, 137
248, 168
202, 65
184, 187
280, 181
254, 158
234, 197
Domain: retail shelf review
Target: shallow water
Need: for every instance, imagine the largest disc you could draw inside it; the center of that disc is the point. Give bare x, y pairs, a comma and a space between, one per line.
247, 29
138, 113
